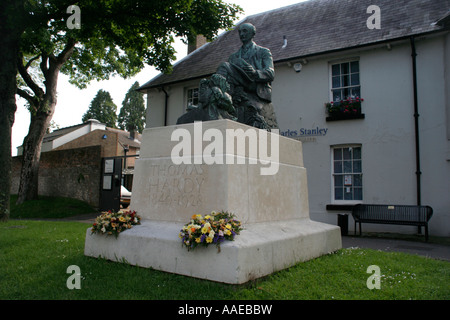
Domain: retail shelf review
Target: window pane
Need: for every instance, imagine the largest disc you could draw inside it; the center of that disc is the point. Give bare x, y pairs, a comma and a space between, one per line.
345, 93
335, 69
357, 153
354, 66
347, 153
357, 166
336, 82
192, 97
356, 92
357, 180
338, 167
348, 167
345, 80
355, 79
348, 193
357, 194
338, 180
338, 193
337, 154
337, 95
345, 68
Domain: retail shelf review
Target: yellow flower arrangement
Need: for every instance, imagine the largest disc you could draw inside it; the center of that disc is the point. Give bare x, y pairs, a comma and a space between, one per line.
112, 223
213, 228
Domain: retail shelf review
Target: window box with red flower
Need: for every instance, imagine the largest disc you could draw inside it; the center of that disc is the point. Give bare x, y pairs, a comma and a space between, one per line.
347, 109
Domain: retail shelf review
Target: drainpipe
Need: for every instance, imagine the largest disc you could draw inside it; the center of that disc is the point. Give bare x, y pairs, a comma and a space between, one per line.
416, 124
165, 106
416, 121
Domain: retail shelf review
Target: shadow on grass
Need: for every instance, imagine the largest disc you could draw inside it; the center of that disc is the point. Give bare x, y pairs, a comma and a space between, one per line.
49, 208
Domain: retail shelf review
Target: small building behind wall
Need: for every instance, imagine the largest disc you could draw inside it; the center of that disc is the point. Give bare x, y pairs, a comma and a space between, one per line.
396, 150
71, 160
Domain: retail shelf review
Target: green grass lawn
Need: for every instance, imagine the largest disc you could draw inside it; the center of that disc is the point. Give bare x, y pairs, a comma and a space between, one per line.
35, 255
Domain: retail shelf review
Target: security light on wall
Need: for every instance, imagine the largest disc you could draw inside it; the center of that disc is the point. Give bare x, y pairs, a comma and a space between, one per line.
298, 67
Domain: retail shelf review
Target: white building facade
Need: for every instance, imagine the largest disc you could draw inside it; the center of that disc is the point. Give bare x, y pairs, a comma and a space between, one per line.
377, 153
379, 156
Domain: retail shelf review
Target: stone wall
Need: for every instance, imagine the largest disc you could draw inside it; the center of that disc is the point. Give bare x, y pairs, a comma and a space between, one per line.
73, 173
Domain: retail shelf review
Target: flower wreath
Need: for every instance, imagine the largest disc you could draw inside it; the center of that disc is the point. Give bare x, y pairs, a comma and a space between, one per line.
113, 223
210, 229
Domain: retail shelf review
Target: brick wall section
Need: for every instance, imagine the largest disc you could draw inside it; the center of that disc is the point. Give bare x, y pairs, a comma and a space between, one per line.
73, 173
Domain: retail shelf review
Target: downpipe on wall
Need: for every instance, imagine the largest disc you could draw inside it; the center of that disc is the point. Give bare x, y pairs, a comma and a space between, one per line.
416, 124
166, 102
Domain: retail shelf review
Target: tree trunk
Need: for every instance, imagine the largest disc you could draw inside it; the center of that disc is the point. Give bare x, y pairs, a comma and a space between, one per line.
7, 110
10, 13
28, 186
32, 145
40, 120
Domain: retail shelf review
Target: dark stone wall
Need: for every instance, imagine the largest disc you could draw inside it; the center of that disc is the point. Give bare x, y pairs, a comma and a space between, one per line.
73, 173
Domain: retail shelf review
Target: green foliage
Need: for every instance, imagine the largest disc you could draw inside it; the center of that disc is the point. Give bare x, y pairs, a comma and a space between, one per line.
103, 109
132, 113
119, 36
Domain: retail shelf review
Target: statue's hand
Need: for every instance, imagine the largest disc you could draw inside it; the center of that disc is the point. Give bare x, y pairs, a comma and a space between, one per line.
248, 68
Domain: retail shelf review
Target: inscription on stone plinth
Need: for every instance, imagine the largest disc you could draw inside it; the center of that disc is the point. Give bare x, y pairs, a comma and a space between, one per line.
177, 185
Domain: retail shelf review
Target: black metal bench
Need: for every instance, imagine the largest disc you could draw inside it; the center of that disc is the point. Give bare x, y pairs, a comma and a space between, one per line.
392, 214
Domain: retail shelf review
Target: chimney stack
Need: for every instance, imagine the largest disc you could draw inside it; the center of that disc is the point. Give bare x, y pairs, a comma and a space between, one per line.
196, 43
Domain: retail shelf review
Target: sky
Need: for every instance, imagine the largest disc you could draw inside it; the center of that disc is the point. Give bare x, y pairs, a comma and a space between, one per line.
74, 102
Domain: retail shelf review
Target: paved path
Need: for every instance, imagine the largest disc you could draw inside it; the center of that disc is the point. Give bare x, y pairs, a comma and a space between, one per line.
431, 250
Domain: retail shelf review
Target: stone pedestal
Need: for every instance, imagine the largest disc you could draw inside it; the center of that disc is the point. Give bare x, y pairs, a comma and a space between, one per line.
265, 189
